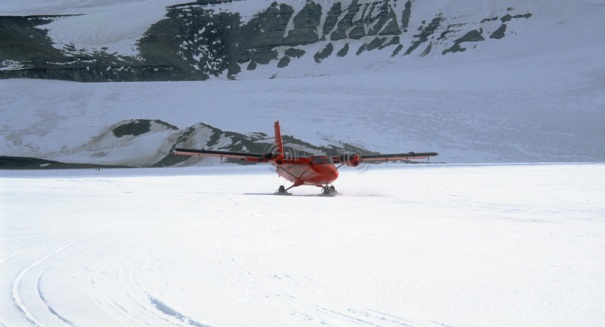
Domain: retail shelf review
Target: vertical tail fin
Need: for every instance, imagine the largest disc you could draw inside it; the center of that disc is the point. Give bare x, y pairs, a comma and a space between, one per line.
279, 147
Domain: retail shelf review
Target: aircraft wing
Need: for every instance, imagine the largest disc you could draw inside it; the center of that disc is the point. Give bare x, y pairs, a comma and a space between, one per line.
243, 156
355, 159
397, 156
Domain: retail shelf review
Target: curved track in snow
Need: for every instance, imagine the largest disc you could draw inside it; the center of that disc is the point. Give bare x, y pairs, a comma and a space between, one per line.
466, 245
26, 292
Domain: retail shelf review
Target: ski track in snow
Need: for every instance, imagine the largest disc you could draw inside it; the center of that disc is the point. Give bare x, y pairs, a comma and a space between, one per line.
133, 305
510, 245
416, 246
25, 302
247, 279
49, 308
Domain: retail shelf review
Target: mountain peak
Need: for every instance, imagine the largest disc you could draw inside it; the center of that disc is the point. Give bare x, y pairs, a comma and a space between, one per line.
242, 39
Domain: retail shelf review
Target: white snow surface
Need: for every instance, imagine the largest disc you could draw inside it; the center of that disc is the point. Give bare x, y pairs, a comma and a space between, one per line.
423, 245
413, 245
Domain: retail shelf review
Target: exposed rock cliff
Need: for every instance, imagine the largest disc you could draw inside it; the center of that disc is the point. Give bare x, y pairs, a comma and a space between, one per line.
206, 39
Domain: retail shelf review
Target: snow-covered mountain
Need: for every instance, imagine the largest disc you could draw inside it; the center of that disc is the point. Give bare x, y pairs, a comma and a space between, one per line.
476, 81
153, 141
203, 39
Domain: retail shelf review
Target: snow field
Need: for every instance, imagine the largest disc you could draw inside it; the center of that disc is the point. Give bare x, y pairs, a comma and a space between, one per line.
520, 245
410, 245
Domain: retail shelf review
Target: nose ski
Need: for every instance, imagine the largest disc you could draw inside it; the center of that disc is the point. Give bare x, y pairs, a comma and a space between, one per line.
326, 190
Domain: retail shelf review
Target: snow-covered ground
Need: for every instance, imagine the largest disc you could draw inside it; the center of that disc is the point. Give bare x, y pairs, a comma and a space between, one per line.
413, 245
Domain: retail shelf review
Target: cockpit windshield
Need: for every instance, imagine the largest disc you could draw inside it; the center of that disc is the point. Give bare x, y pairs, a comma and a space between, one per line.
322, 160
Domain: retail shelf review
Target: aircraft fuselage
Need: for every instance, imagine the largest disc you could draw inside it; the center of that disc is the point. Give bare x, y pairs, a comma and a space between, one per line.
314, 170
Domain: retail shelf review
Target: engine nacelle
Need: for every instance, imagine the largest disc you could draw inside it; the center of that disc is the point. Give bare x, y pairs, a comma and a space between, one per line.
350, 159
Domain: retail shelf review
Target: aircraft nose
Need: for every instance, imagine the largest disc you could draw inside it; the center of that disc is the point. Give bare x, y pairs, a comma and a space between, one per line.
333, 171
328, 172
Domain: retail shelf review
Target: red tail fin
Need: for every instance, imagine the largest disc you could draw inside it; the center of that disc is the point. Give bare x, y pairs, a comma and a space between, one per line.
279, 147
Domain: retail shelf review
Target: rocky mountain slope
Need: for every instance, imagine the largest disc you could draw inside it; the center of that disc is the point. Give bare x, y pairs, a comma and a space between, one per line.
209, 38
475, 80
149, 143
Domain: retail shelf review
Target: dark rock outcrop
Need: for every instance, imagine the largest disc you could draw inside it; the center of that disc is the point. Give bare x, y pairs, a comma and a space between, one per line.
201, 40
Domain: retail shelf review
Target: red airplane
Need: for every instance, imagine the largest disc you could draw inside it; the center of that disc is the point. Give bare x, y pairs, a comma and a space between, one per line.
318, 171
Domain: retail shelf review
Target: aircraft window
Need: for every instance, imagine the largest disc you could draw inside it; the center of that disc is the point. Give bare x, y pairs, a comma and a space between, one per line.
322, 160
